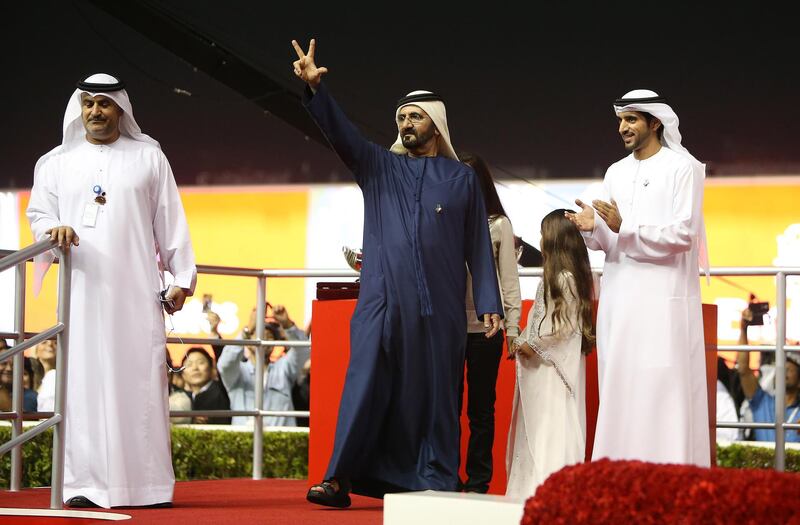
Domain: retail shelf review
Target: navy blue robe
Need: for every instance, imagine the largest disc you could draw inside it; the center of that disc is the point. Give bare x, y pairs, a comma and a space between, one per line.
398, 425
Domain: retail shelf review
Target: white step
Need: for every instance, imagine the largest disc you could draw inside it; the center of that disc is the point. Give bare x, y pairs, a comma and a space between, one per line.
436, 508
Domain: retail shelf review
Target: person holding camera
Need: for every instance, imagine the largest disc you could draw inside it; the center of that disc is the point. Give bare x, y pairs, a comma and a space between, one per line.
755, 317
761, 403
213, 325
237, 369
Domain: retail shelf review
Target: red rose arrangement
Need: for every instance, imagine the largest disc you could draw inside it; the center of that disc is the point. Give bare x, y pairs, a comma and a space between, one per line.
627, 492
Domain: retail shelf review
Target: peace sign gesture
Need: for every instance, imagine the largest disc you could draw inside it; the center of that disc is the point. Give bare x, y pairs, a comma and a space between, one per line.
304, 66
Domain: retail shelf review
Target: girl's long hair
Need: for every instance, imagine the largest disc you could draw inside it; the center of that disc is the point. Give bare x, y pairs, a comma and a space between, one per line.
563, 249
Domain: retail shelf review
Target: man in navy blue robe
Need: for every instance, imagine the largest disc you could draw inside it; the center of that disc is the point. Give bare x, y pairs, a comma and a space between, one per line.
424, 218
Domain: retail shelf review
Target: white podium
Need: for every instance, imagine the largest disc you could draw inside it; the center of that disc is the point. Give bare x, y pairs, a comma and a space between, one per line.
434, 508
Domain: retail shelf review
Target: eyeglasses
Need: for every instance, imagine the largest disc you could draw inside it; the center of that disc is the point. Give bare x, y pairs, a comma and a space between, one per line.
414, 118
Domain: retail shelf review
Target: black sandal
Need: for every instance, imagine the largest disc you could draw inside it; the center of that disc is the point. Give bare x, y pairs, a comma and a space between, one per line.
329, 496
81, 502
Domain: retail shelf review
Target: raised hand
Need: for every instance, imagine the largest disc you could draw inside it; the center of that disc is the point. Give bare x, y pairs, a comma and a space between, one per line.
304, 66
583, 220
609, 213
213, 322
282, 316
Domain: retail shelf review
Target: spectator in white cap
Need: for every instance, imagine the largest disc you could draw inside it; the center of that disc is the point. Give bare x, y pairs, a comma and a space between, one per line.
651, 352
109, 191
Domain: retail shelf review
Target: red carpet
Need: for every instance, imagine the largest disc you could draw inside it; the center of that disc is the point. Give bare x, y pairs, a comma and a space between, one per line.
230, 501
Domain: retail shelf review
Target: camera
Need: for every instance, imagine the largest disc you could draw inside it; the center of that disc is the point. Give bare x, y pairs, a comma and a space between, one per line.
758, 310
274, 329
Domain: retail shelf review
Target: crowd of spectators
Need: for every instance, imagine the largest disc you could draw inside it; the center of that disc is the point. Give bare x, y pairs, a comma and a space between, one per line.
38, 379
224, 378
220, 379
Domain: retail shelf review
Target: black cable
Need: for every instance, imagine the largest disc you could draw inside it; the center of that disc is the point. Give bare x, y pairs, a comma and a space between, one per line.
86, 19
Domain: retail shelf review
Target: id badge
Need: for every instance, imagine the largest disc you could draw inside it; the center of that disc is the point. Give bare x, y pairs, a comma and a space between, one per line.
90, 215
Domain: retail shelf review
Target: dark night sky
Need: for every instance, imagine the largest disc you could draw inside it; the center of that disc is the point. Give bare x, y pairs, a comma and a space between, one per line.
530, 91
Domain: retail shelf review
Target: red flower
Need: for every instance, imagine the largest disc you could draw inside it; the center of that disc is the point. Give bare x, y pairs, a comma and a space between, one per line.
623, 492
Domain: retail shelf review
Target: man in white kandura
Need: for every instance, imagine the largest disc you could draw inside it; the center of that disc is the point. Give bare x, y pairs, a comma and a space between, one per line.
652, 373
109, 191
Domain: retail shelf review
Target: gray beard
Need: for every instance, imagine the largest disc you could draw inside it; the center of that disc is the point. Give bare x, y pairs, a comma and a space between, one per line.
417, 141
410, 143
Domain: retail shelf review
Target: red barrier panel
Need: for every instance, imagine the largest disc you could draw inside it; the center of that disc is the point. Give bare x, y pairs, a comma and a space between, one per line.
331, 354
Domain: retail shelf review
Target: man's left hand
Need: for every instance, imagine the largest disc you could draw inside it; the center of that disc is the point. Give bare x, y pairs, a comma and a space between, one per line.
178, 296
491, 322
609, 213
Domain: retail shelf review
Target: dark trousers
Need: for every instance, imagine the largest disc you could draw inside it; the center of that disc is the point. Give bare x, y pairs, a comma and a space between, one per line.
482, 362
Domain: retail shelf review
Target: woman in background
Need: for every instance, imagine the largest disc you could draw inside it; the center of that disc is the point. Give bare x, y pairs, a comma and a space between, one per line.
483, 355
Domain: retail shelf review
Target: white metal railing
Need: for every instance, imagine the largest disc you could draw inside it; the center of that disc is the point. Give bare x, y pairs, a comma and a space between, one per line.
61, 331
258, 413
779, 348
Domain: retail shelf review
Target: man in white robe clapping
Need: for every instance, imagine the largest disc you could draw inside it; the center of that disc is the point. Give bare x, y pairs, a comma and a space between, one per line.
650, 346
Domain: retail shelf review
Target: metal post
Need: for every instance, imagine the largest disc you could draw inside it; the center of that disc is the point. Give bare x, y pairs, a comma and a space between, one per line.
780, 373
62, 351
258, 420
17, 395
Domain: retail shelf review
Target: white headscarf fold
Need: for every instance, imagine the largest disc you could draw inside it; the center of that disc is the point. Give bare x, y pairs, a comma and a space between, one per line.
646, 101
436, 111
73, 124
74, 130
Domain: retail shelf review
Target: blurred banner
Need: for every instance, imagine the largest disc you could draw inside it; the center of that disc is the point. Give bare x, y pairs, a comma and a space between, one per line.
750, 222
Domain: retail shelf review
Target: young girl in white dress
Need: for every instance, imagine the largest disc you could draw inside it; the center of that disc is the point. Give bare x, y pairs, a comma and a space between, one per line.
548, 423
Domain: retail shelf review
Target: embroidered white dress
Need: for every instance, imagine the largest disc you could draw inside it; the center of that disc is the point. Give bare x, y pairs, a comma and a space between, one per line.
548, 422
